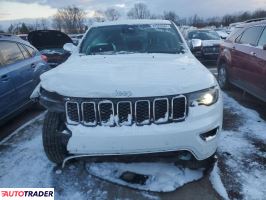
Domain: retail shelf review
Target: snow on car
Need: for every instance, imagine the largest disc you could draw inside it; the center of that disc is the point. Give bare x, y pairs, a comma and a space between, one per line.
131, 88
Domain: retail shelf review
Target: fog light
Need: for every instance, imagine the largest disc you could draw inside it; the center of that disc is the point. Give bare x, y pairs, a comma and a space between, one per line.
209, 135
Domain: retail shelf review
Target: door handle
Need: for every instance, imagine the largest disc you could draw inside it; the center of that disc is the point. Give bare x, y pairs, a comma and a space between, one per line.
33, 65
4, 78
253, 53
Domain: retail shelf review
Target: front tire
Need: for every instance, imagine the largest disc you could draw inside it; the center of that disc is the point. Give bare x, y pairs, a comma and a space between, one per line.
53, 144
223, 77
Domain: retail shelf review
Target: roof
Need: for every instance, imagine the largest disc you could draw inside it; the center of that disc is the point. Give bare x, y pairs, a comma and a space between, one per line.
131, 22
14, 38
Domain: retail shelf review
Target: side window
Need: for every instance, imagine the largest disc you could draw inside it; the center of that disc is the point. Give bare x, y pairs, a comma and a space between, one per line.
251, 35
30, 50
262, 40
10, 52
24, 51
235, 34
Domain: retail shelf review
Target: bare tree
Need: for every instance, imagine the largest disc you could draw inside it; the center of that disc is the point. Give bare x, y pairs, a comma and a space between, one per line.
99, 16
112, 14
172, 16
44, 24
69, 19
139, 11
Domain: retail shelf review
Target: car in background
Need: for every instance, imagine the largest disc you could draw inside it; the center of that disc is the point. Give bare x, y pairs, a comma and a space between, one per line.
76, 38
20, 68
222, 33
242, 61
204, 44
50, 43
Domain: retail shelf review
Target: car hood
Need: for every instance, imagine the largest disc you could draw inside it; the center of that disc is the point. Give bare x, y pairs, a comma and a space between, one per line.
128, 75
206, 43
46, 39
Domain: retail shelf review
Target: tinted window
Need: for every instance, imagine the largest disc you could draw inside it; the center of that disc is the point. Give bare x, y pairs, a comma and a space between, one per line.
10, 52
156, 38
262, 40
24, 51
30, 50
251, 35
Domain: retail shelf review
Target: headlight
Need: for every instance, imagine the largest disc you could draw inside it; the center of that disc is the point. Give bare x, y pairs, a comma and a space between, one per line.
204, 97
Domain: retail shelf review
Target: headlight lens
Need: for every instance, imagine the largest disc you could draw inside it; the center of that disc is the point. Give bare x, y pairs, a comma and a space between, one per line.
204, 97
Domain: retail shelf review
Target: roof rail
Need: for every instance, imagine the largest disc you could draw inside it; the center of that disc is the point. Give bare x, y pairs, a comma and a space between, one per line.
255, 20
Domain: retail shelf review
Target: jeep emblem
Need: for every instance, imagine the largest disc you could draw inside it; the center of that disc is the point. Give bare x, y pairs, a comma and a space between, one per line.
119, 93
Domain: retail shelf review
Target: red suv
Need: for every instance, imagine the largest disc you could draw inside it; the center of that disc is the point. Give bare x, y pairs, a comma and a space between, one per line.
242, 59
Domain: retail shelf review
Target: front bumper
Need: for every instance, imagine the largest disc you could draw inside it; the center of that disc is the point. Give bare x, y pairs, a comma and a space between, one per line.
186, 135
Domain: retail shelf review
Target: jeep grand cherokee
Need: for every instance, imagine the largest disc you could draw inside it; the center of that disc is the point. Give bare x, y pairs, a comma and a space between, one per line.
131, 88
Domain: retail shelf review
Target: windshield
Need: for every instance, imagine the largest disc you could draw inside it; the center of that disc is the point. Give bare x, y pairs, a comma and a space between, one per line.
117, 39
203, 35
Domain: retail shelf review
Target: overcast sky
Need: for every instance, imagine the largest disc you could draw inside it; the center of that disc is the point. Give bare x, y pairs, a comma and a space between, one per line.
17, 9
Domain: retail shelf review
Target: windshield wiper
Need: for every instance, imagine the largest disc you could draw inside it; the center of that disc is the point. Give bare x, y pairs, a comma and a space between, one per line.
167, 52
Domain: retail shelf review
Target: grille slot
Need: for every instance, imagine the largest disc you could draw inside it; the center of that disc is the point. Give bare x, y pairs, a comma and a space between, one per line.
142, 112
89, 113
124, 113
72, 112
179, 105
106, 113
161, 110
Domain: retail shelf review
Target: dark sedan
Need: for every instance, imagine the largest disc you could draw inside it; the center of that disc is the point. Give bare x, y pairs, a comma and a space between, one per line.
20, 68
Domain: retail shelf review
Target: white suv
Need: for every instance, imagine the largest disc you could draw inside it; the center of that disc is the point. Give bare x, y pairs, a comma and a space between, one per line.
131, 88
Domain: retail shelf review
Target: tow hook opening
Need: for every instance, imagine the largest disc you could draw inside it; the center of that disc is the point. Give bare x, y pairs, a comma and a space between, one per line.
207, 136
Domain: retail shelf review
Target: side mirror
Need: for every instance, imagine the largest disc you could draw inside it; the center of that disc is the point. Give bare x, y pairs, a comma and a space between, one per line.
70, 47
264, 47
196, 43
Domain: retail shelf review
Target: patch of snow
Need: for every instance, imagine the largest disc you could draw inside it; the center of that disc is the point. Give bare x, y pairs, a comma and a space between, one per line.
217, 183
163, 119
163, 177
243, 156
59, 171
131, 22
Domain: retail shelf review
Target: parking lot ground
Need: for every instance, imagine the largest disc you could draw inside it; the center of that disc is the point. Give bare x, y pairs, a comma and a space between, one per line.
16, 122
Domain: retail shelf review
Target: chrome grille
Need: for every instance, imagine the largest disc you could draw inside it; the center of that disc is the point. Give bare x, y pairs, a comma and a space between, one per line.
106, 113
126, 112
161, 110
142, 112
178, 108
72, 112
88, 110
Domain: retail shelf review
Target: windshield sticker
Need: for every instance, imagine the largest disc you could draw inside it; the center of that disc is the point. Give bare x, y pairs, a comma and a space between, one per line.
160, 26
